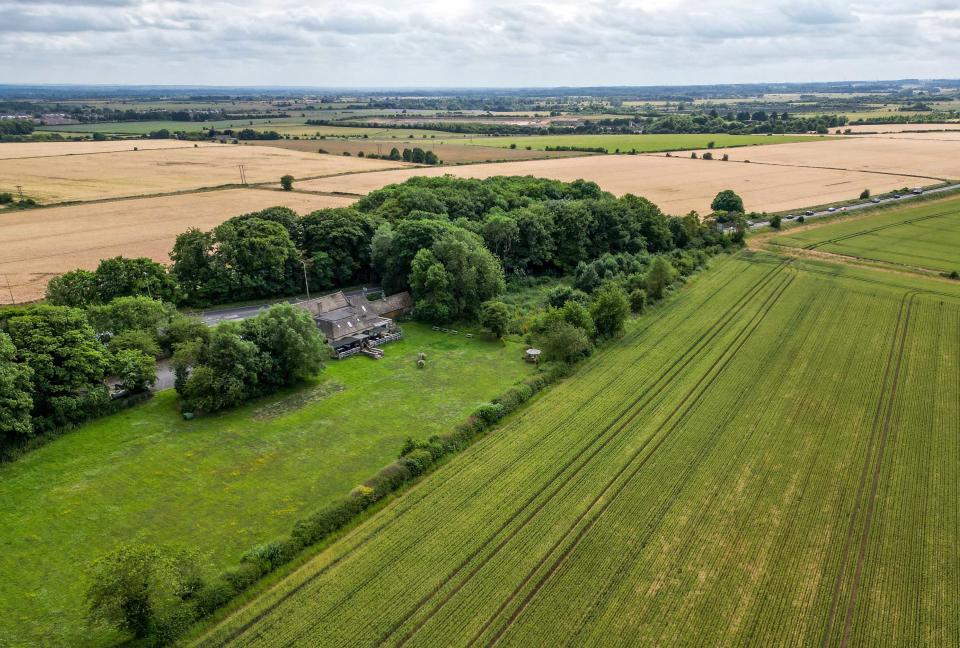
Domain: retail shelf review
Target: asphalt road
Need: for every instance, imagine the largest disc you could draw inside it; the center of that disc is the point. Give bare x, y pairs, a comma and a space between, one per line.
214, 316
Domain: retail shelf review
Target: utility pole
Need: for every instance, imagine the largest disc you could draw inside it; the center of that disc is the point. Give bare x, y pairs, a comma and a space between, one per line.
10, 290
243, 176
306, 282
20, 191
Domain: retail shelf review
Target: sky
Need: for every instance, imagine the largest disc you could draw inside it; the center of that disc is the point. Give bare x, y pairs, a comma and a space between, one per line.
466, 43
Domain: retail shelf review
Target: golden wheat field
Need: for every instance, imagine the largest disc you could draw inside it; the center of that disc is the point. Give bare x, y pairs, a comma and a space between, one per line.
926, 155
51, 149
145, 172
902, 128
42, 243
676, 184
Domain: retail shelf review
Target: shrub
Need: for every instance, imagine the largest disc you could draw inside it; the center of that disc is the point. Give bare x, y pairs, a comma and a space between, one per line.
864, 194
286, 182
135, 340
610, 309
565, 343
776, 221
418, 462
638, 300
490, 413
708, 155
136, 586
6, 198
135, 369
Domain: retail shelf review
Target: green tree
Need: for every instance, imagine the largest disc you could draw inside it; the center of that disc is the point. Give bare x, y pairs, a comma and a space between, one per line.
135, 369
255, 258
192, 257
16, 401
573, 312
864, 194
495, 316
500, 232
660, 276
291, 347
286, 182
76, 288
131, 313
564, 343
120, 277
226, 374
609, 309
638, 300
67, 361
339, 242
135, 586
136, 340
431, 290
776, 221
395, 154
727, 201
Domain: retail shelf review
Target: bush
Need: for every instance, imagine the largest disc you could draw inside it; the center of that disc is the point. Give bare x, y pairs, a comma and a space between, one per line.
286, 182
135, 369
776, 221
418, 461
609, 310
490, 413
6, 198
638, 300
864, 194
135, 340
138, 587
565, 343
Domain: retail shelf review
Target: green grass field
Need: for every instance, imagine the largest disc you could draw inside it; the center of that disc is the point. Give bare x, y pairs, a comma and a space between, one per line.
638, 143
146, 127
768, 459
921, 236
221, 483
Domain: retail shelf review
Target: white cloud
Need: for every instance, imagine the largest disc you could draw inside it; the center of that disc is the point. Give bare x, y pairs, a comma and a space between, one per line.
474, 42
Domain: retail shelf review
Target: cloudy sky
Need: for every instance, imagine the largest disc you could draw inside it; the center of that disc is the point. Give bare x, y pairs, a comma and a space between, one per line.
475, 42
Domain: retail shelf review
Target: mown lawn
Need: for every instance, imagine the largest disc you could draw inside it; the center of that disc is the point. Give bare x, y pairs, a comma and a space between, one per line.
220, 483
638, 143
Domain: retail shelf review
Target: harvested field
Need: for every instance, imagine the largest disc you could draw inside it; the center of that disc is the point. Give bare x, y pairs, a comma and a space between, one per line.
926, 158
900, 128
42, 243
146, 172
676, 184
743, 468
49, 149
448, 153
640, 143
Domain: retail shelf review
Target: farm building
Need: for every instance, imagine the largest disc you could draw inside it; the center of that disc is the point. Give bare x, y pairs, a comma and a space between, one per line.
353, 324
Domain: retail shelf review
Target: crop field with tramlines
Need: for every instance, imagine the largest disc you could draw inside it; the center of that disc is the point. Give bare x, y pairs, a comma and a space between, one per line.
924, 236
771, 457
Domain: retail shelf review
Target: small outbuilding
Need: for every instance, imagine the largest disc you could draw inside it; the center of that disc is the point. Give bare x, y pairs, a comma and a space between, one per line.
532, 356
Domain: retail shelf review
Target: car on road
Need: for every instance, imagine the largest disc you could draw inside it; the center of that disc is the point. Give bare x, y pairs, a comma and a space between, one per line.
831, 209
809, 212
897, 196
917, 190
875, 200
